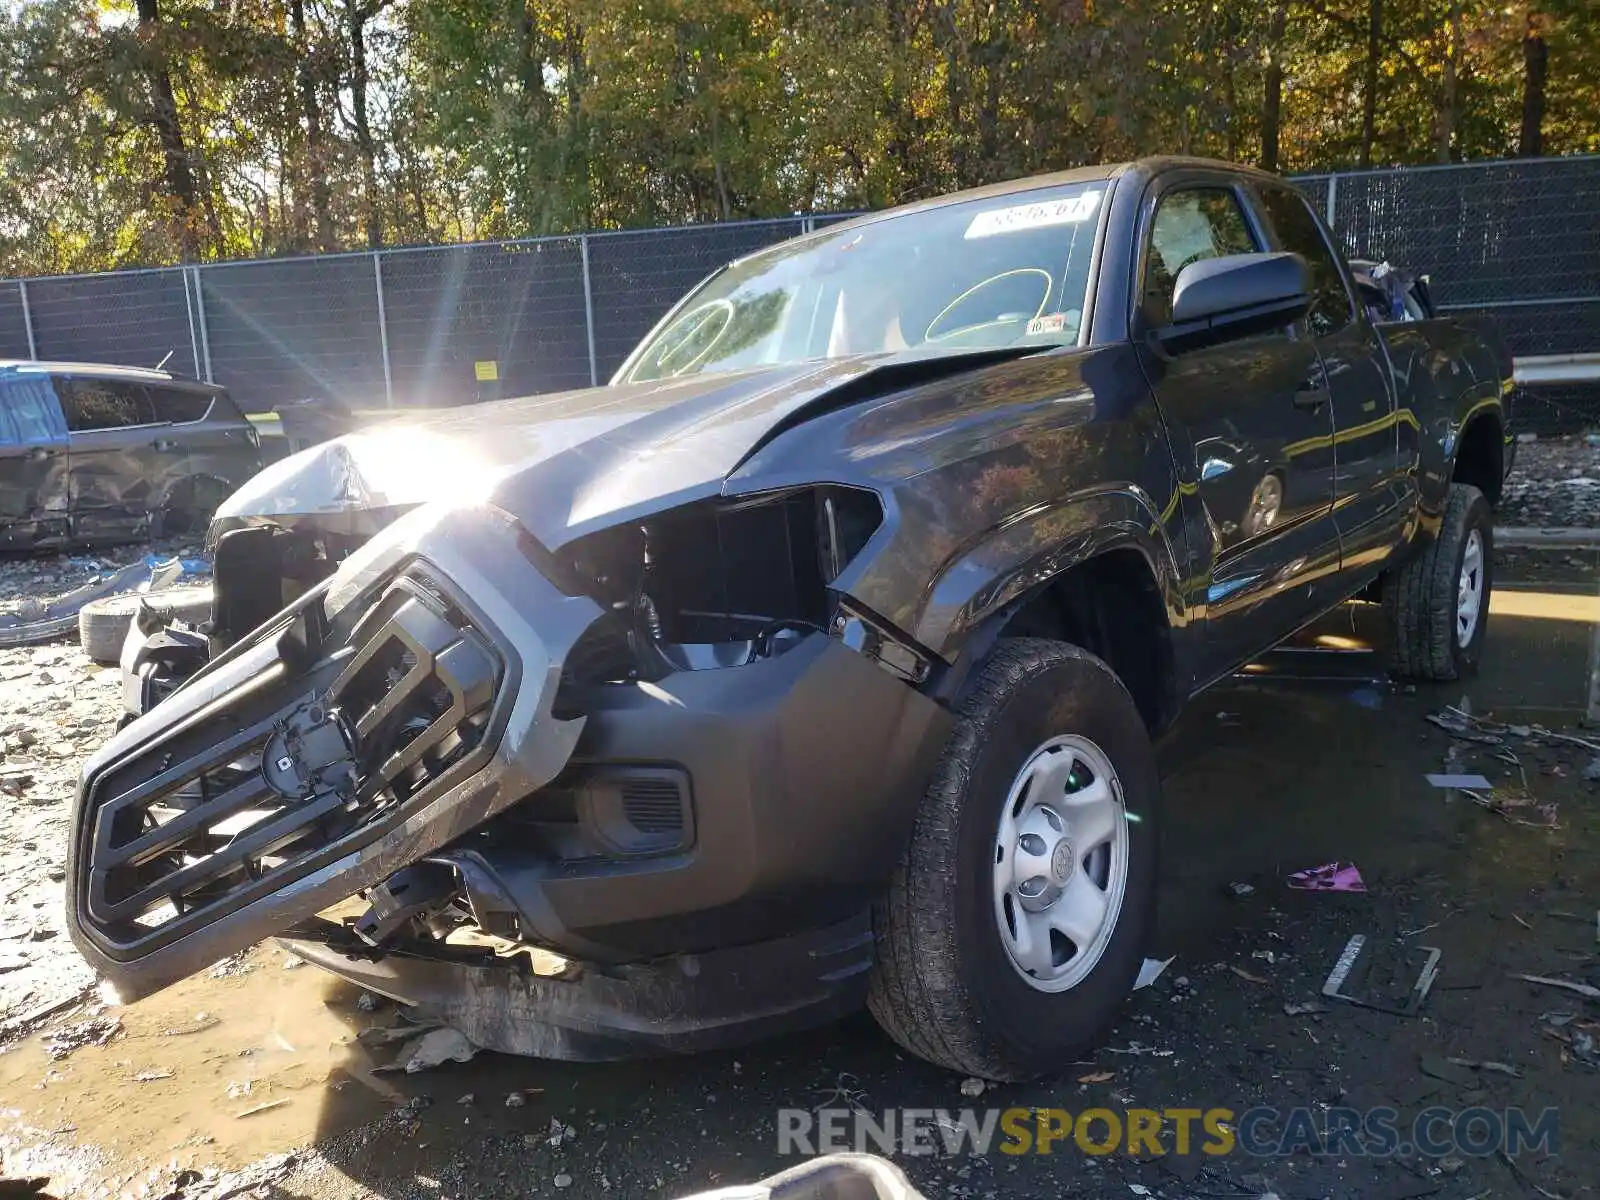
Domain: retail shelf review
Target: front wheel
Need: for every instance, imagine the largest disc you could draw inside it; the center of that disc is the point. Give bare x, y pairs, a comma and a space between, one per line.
1438, 600
1015, 924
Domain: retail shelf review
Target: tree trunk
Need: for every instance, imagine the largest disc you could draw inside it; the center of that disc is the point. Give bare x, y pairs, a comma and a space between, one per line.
1449, 89
177, 170
315, 167
360, 14
1369, 90
1272, 96
1535, 59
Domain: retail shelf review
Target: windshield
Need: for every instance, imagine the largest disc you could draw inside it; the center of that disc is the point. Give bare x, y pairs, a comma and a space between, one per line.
1005, 271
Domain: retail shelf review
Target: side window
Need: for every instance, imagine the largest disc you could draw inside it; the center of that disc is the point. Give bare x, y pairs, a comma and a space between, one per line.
28, 412
179, 405
92, 404
1298, 231
1190, 225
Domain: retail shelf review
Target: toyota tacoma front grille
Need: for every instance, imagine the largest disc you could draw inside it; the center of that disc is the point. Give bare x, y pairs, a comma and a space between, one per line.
291, 768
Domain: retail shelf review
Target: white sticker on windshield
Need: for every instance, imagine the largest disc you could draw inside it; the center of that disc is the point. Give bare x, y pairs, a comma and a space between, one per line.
1034, 216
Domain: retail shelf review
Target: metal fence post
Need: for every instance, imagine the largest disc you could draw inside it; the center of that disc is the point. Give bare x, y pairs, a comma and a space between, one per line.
383, 329
1333, 193
194, 338
27, 319
588, 311
205, 334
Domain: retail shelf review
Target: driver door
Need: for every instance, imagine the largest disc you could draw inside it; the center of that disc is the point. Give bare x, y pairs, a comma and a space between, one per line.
1251, 430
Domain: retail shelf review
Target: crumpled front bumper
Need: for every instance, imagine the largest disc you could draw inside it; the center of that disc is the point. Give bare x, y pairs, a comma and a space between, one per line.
742, 812
324, 752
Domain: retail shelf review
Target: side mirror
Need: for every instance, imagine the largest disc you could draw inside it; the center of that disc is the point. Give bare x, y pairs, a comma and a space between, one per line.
1238, 294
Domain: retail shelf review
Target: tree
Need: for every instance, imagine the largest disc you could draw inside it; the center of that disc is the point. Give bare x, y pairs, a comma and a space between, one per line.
140, 132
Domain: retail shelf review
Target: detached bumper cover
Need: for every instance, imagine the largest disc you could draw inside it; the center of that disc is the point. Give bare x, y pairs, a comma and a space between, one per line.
318, 758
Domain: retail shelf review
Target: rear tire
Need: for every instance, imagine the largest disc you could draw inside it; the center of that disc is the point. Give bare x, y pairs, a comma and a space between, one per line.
951, 984
1438, 600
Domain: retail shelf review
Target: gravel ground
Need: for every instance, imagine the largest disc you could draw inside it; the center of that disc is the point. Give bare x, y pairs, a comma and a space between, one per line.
1554, 484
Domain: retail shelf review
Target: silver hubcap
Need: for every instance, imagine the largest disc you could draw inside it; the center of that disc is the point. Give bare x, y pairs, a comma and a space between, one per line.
1469, 589
1060, 863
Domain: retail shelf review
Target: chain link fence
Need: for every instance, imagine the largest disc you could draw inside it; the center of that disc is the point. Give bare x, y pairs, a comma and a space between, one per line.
1518, 242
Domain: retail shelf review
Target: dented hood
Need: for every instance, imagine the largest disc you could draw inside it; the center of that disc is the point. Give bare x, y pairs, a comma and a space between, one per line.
572, 462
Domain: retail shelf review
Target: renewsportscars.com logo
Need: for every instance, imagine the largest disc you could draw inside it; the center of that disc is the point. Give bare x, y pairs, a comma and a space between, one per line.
1260, 1132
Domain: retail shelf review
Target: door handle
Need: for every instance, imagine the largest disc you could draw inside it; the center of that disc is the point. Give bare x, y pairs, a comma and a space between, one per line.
164, 444
1310, 397
40, 453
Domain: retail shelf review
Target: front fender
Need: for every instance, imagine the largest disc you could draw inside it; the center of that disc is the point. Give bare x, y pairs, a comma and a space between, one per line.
1015, 559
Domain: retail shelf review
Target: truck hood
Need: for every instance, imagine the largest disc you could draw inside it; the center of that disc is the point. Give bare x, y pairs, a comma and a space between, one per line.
572, 462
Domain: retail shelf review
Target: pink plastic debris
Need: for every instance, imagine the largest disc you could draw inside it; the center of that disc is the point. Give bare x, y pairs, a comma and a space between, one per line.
1329, 877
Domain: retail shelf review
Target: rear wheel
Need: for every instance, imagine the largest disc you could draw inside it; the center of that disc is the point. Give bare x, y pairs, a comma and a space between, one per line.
1438, 600
1015, 924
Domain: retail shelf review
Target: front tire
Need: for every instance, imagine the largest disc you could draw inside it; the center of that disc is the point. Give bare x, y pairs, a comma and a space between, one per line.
1438, 600
1014, 925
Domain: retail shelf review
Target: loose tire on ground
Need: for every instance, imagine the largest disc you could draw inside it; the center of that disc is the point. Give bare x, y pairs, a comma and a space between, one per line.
946, 987
1430, 637
103, 624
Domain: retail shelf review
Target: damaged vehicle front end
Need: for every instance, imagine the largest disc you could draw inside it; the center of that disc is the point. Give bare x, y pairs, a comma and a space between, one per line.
600, 793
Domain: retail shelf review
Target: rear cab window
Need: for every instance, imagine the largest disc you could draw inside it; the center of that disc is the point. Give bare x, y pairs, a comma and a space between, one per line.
92, 405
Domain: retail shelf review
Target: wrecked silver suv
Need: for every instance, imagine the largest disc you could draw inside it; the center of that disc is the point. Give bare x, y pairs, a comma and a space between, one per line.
817, 657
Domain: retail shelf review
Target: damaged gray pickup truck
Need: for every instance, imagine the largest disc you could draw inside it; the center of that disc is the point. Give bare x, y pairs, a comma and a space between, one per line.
817, 658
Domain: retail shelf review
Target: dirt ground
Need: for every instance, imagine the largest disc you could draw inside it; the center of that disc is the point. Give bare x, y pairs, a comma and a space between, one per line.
1310, 756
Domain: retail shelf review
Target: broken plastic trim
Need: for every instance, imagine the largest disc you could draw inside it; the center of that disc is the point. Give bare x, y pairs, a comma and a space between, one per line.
884, 645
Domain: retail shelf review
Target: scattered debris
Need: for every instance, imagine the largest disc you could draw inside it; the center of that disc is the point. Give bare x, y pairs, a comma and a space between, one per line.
1498, 1068
1504, 802
563, 1180
96, 1031
1361, 963
432, 1048
1458, 781
152, 1076
1246, 975
973, 1087
367, 1002
1582, 989
1150, 971
1241, 891
1302, 1009
1464, 726
467, 1098
1139, 1048
261, 1108
1447, 1069
559, 1133
1097, 1077
516, 1100
202, 1022
1329, 877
